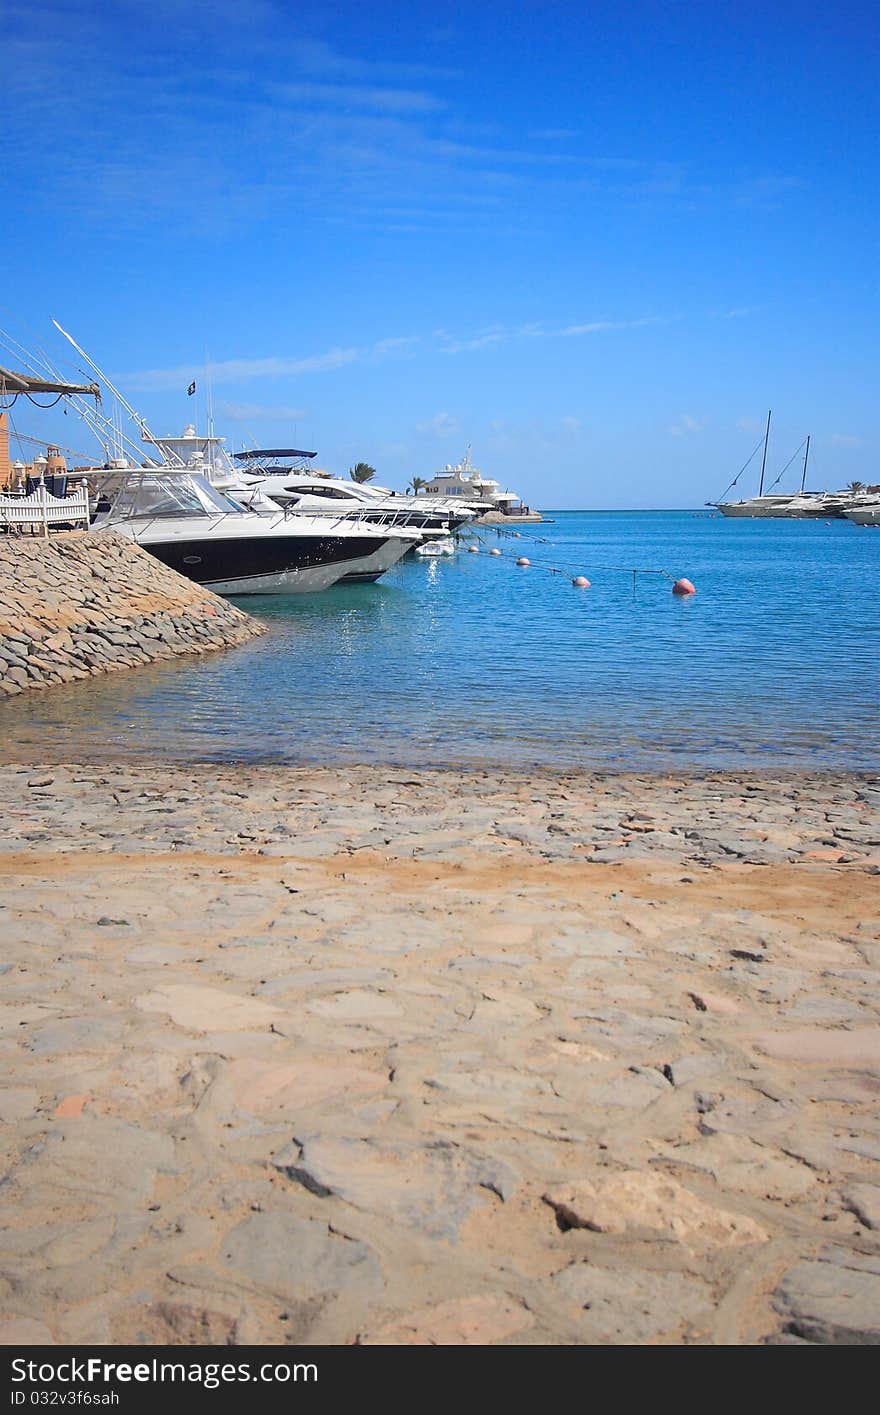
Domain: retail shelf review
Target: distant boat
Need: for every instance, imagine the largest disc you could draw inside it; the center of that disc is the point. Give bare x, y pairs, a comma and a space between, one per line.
760, 505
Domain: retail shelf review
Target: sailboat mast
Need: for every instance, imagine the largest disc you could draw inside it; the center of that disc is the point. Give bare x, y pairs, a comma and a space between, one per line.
806, 456
764, 458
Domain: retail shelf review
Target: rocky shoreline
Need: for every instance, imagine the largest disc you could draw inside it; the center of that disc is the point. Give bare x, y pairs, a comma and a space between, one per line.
305, 1056
82, 604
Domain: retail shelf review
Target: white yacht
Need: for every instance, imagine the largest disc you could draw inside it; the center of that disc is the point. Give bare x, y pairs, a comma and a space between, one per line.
757, 506
182, 519
283, 476
865, 514
467, 484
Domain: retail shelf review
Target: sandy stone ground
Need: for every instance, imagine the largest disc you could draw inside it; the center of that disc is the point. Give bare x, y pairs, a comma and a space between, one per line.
305, 1056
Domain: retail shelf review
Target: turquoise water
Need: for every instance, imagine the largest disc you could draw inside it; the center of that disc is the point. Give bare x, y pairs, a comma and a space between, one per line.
473, 661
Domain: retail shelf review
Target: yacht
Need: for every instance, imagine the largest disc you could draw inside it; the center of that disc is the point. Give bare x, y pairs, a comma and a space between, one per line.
866, 514
484, 495
283, 477
188, 524
759, 506
756, 506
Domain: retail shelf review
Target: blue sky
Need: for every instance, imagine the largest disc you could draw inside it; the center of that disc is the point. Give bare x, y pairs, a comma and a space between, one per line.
595, 241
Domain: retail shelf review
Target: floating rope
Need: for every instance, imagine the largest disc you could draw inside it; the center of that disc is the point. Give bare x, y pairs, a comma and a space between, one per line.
576, 574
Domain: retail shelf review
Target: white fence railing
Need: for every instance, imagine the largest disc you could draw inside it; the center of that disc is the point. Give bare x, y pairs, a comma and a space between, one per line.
40, 509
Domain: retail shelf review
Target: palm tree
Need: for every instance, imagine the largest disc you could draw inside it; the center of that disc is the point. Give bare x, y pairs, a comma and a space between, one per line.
855, 487
361, 472
416, 483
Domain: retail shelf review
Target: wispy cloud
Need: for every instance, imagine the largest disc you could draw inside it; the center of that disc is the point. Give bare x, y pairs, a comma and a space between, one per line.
352, 95
243, 370
846, 439
237, 370
441, 425
686, 425
604, 326
260, 412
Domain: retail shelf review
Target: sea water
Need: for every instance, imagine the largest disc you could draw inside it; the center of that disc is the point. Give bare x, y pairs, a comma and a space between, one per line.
474, 661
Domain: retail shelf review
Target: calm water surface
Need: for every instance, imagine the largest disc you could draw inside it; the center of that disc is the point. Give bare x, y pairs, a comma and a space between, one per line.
473, 661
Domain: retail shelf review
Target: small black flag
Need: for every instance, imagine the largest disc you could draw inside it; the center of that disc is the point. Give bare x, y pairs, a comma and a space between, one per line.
191, 390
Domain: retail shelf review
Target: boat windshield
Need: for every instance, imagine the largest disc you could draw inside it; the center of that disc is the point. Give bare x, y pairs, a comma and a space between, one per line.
159, 493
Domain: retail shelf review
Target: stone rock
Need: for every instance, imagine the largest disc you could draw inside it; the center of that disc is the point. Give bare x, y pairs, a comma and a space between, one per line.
300, 1257
833, 1301
206, 1009
283, 1088
691, 1070
705, 1001
634, 1201
736, 1162
99, 1156
18, 1103
186, 1324
356, 1006
462, 1321
864, 1201
24, 1331
628, 1305
824, 1046
431, 1188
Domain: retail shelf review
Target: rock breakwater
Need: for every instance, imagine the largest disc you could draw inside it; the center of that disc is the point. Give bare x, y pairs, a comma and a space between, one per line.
81, 604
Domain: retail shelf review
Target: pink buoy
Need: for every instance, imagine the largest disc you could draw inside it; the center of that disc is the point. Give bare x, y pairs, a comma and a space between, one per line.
683, 587
494, 550
473, 550
581, 581
523, 561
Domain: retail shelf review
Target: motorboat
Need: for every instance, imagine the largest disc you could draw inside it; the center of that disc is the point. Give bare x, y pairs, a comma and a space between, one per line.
482, 494
867, 514
182, 519
756, 506
285, 478
432, 548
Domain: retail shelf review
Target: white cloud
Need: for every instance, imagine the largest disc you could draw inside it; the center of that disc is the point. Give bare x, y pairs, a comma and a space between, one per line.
601, 326
260, 412
237, 370
441, 425
383, 100
846, 439
686, 425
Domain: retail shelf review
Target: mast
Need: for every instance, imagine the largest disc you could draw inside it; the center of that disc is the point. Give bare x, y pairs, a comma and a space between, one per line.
764, 458
806, 456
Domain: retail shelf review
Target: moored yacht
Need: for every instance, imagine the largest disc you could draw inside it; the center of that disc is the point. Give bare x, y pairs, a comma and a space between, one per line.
283, 477
865, 514
756, 506
484, 495
178, 516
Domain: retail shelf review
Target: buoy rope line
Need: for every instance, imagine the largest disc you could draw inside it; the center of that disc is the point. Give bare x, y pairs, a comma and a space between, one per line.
679, 586
558, 570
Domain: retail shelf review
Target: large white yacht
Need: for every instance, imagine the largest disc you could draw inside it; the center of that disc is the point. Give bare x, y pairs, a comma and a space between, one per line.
467, 484
757, 506
182, 519
867, 513
283, 476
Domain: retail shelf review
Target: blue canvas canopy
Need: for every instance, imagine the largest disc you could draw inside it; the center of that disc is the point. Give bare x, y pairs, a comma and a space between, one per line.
255, 453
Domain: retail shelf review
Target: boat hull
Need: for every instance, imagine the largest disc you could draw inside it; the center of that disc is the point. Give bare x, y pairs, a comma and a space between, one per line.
371, 567
268, 564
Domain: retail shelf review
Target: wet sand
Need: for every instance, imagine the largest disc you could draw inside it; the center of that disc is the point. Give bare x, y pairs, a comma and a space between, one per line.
304, 1056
